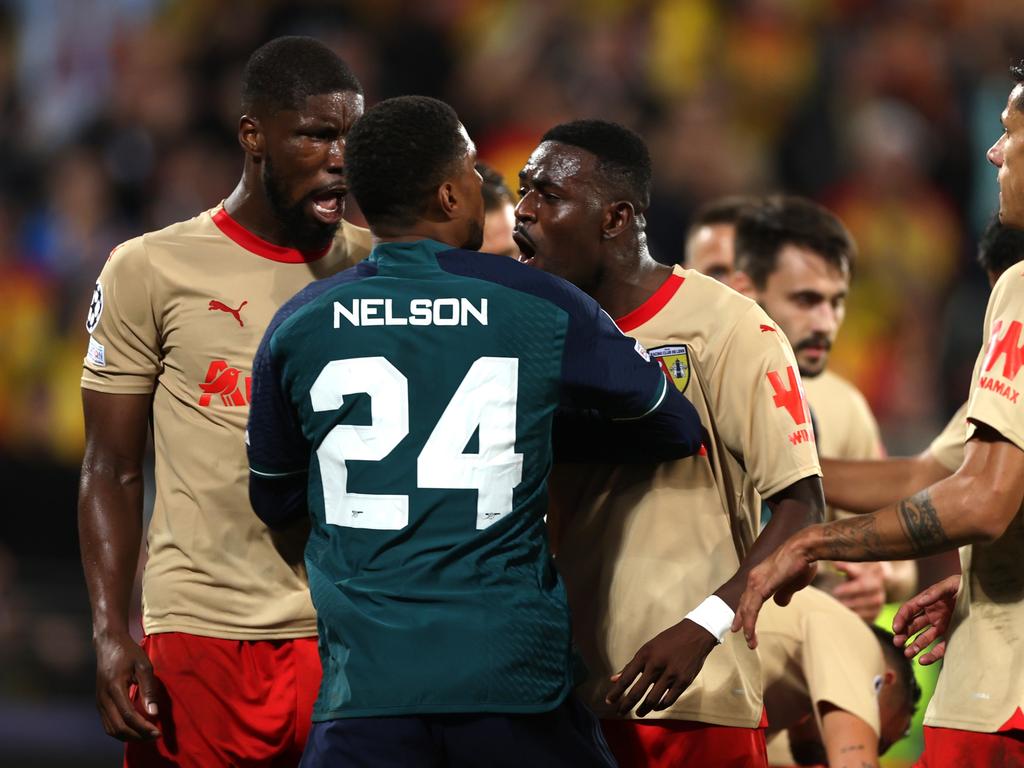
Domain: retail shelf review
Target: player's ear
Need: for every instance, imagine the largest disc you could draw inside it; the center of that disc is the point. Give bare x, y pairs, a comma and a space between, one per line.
618, 217
447, 199
250, 136
741, 283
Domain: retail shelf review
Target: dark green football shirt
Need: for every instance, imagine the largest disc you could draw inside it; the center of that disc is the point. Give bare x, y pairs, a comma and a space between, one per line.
417, 390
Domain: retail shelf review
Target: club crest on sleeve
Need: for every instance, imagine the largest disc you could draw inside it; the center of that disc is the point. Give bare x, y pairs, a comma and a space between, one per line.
675, 362
95, 308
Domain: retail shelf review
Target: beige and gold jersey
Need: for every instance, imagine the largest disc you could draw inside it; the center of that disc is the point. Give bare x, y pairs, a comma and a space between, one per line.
640, 546
948, 447
179, 313
846, 427
812, 651
981, 686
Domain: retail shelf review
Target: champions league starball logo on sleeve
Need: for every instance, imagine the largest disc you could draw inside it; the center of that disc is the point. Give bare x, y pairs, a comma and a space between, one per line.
95, 308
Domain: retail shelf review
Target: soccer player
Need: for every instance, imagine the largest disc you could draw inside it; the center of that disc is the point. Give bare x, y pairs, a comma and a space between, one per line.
711, 237
639, 547
228, 668
975, 716
838, 688
498, 213
864, 486
794, 257
406, 406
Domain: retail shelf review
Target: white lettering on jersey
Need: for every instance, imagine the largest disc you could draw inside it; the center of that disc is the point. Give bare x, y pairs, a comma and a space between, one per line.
441, 312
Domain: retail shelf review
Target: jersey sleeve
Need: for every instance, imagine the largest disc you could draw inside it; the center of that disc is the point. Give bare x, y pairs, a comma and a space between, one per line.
275, 442
995, 390
948, 447
843, 664
124, 354
762, 411
607, 371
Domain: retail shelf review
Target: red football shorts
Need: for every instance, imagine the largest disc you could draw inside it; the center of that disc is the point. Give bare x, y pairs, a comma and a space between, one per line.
665, 743
228, 702
952, 748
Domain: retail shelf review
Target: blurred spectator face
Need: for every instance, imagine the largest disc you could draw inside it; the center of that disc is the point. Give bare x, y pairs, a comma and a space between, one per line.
498, 224
559, 215
302, 164
710, 250
1007, 154
806, 296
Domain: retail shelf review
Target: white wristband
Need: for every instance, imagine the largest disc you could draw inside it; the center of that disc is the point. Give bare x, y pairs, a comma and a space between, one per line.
714, 615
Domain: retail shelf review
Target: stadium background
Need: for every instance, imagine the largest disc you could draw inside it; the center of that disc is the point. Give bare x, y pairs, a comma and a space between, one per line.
119, 116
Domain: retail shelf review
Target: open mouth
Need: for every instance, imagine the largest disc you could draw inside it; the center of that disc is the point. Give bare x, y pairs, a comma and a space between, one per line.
329, 206
527, 250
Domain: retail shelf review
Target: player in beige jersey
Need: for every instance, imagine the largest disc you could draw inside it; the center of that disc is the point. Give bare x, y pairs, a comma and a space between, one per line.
975, 716
838, 688
794, 258
229, 669
640, 546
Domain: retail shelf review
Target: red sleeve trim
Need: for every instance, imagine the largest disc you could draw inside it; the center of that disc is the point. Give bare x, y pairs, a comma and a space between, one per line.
256, 244
652, 306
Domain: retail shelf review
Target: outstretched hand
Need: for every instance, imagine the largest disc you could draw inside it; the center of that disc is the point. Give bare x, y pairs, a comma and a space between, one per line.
930, 611
781, 574
666, 664
121, 662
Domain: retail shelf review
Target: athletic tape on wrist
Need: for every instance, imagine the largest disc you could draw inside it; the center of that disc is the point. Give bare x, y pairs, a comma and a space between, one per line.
714, 615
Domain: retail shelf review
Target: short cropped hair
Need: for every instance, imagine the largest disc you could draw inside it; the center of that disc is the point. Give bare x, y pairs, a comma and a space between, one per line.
495, 190
721, 210
1000, 247
398, 153
764, 229
904, 668
285, 72
624, 161
1017, 73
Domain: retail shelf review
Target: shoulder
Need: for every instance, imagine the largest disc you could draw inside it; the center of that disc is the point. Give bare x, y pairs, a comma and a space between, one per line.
834, 386
358, 241
314, 294
509, 273
139, 253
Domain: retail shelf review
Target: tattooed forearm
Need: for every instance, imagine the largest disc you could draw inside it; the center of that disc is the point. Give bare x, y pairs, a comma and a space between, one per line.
922, 524
855, 538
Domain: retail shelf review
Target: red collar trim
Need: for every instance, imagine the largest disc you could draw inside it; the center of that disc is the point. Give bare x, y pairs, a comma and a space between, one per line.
256, 244
652, 306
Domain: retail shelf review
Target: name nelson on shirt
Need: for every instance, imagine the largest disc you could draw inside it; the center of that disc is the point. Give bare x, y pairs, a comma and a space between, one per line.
449, 311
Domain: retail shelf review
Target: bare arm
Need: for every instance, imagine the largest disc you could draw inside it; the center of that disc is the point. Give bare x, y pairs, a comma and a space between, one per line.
110, 532
849, 741
976, 504
864, 486
669, 662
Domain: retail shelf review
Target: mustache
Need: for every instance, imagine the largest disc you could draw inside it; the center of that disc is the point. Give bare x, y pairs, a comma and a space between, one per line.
816, 341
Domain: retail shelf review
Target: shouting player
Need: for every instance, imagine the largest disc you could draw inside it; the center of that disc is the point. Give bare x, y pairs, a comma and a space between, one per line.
406, 406
228, 668
639, 546
975, 716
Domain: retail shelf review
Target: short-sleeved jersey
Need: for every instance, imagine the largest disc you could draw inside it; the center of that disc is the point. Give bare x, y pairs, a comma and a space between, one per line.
179, 313
418, 389
640, 546
812, 651
846, 427
948, 447
982, 685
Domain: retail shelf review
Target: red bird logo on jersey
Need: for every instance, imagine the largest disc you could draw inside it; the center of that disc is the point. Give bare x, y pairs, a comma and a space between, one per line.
767, 328
235, 313
222, 380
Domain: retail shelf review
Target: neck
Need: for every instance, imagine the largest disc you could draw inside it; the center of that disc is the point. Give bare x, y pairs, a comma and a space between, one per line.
630, 278
249, 206
420, 230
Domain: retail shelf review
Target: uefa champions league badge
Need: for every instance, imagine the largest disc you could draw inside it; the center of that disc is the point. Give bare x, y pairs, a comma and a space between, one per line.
95, 308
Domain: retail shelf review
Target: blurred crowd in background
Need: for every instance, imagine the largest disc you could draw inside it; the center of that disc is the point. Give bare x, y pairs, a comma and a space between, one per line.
120, 116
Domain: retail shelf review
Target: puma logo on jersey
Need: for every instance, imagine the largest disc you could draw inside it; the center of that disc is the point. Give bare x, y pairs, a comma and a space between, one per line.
222, 381
368, 312
235, 313
767, 329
